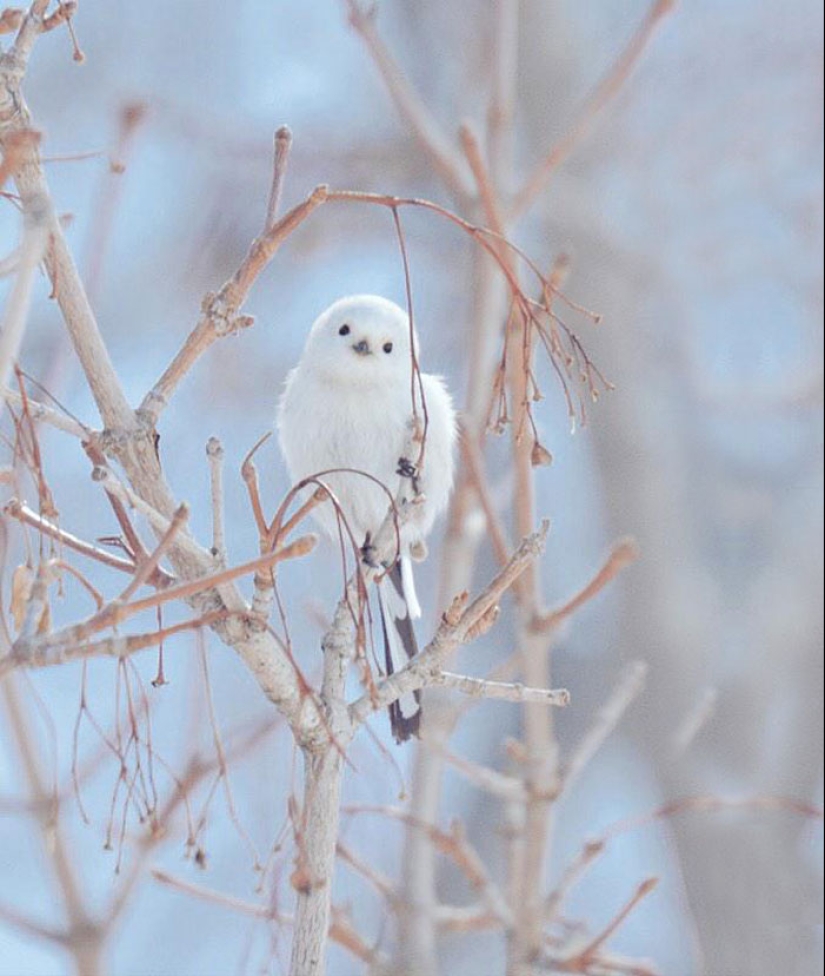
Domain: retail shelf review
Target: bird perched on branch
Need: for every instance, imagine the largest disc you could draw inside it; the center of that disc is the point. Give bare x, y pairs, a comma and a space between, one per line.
352, 403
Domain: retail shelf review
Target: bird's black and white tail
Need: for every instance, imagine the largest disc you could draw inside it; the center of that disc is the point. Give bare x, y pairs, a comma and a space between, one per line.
399, 605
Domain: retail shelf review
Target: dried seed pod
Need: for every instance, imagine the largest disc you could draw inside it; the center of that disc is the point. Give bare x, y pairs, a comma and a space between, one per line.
540, 456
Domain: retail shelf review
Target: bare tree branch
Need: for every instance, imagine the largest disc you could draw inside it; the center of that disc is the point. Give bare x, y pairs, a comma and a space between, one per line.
51, 648
622, 554
478, 688
18, 510
29, 926
220, 312
283, 146
608, 717
214, 452
10, 20
607, 88
35, 235
455, 629
508, 788
446, 161
39, 411
580, 961
81, 936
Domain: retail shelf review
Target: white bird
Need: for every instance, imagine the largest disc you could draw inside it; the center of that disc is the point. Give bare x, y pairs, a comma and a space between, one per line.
349, 404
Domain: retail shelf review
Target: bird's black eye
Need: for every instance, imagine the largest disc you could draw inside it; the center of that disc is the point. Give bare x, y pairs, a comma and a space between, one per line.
387, 347
344, 330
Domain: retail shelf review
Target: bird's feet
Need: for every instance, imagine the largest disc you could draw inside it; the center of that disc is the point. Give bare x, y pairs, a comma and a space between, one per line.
408, 470
369, 554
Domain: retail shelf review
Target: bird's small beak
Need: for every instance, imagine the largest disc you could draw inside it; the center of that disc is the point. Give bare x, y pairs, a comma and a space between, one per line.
362, 347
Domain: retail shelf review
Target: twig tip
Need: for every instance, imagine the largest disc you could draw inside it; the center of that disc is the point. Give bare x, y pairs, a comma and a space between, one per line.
214, 448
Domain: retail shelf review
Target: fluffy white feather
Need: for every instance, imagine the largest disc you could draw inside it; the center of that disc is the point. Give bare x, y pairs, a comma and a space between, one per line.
348, 404
347, 409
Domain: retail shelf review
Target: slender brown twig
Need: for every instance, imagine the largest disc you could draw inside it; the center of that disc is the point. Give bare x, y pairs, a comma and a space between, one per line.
622, 554
18, 510
607, 88
446, 161
283, 146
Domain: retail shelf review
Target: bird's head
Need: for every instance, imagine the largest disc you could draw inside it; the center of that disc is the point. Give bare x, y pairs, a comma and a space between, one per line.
360, 340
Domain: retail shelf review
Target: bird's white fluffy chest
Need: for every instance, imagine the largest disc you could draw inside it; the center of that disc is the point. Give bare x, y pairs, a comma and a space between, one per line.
326, 425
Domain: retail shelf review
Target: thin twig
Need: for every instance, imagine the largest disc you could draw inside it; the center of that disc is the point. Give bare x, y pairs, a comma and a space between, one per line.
119, 501
148, 566
249, 473
383, 885
413, 112
215, 452
220, 312
456, 628
343, 932
571, 876
283, 145
696, 719
591, 949
469, 861
471, 145
607, 718
505, 787
218, 898
35, 237
95, 594
67, 882
9, 915
623, 554
47, 655
66, 9
115, 488
39, 411
41, 650
474, 462
455, 845
339, 931
22, 512
607, 88
478, 688
715, 804
318, 496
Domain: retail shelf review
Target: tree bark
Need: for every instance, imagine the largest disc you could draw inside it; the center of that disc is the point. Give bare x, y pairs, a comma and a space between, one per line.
316, 860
